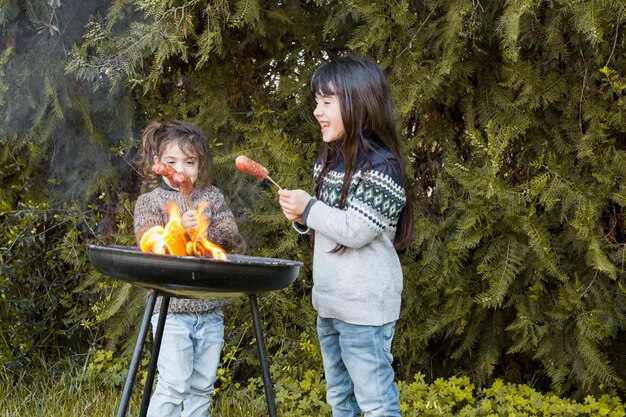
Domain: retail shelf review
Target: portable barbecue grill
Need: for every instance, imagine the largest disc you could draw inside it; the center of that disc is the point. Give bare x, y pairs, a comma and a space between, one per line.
188, 276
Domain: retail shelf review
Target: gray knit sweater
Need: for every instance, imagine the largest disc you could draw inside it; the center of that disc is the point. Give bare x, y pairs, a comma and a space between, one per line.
363, 284
150, 210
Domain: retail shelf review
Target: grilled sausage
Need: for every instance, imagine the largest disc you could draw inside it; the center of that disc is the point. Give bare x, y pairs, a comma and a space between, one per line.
185, 186
178, 180
248, 166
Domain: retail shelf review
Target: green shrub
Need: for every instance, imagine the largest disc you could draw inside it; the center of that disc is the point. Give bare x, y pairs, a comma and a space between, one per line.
456, 396
304, 396
43, 261
442, 397
503, 399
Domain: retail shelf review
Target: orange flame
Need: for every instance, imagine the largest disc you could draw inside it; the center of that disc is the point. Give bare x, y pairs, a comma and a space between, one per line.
173, 239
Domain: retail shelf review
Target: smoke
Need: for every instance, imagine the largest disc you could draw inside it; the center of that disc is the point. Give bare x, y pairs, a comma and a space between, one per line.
47, 109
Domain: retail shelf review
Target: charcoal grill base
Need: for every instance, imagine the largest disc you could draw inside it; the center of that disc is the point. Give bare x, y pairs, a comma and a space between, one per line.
156, 346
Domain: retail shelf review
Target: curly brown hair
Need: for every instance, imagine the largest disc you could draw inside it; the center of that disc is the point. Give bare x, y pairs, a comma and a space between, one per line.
156, 137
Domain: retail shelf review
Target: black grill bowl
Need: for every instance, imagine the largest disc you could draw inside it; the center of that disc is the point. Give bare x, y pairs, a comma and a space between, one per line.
191, 276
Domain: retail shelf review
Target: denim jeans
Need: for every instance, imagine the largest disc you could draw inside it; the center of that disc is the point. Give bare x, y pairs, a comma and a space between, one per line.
188, 361
357, 365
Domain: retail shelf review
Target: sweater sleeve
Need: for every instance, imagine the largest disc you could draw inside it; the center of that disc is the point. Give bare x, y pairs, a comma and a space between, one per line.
372, 207
222, 228
147, 215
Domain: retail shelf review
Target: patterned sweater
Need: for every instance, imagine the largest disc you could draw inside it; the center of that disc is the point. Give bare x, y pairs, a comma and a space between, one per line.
150, 210
363, 284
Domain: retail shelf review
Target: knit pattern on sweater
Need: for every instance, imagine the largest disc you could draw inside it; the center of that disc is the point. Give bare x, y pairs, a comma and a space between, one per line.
150, 210
376, 193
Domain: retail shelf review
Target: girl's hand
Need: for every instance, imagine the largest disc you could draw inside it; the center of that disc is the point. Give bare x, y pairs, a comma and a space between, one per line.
191, 218
293, 203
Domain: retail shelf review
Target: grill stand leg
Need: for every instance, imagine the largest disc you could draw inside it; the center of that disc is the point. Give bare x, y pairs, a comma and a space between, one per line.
134, 363
141, 338
265, 369
152, 366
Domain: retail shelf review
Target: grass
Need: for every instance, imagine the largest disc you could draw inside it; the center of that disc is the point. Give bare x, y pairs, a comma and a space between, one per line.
60, 393
62, 396
65, 397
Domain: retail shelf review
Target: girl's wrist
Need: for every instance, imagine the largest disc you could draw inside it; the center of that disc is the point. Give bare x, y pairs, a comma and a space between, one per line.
307, 209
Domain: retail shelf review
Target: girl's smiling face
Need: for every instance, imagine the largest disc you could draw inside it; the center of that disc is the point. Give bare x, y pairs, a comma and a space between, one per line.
182, 162
328, 114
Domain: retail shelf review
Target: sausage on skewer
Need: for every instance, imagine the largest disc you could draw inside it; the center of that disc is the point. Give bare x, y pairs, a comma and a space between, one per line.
166, 170
177, 179
250, 167
185, 186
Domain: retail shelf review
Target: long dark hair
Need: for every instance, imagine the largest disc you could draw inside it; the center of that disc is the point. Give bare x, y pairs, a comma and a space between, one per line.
156, 137
367, 114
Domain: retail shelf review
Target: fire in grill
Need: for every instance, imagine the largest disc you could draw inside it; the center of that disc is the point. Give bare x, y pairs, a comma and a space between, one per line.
174, 239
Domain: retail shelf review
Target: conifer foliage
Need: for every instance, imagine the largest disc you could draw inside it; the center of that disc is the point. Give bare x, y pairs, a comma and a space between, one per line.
512, 114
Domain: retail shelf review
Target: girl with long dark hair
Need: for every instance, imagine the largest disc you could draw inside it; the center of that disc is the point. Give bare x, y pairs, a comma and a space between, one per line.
361, 216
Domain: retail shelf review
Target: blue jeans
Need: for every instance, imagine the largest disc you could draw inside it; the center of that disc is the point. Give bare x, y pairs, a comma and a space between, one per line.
357, 365
188, 361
